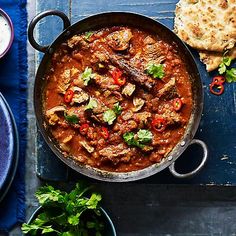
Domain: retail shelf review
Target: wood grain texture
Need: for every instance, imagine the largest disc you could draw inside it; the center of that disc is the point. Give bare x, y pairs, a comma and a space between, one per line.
217, 127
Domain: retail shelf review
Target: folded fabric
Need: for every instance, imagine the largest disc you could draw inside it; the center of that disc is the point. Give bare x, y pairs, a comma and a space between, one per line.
13, 85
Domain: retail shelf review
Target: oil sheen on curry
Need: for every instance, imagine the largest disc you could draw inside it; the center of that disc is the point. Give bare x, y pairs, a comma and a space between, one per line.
117, 99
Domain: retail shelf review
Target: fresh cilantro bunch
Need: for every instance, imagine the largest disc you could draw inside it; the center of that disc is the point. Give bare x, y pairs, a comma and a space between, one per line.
66, 214
142, 137
230, 74
156, 70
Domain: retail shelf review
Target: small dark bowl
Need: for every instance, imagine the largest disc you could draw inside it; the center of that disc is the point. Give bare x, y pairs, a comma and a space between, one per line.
108, 224
8, 19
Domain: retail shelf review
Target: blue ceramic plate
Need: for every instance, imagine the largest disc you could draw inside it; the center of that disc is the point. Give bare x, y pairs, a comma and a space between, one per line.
9, 147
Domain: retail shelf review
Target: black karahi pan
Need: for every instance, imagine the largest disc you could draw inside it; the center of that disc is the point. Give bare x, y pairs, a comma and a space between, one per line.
109, 19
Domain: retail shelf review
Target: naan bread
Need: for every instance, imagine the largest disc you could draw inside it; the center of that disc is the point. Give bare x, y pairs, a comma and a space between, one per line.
207, 24
213, 59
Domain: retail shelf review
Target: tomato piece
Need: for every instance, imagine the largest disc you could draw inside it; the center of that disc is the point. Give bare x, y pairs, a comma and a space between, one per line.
177, 104
68, 96
84, 129
219, 79
117, 76
159, 124
105, 133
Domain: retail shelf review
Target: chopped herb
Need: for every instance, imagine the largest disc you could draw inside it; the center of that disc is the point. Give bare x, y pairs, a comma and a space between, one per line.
109, 116
231, 75
223, 65
88, 35
156, 70
143, 137
71, 118
92, 104
62, 213
117, 108
87, 75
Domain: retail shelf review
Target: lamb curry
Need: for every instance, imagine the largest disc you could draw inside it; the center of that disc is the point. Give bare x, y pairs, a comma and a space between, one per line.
117, 99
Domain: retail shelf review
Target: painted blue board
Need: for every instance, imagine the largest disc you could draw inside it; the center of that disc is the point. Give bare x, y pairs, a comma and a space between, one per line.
217, 127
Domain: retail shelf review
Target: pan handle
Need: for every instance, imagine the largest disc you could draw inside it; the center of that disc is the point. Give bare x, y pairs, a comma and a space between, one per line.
201, 165
36, 19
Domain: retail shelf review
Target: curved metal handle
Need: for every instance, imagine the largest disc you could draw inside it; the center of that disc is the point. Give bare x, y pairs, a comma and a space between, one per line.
201, 165
36, 19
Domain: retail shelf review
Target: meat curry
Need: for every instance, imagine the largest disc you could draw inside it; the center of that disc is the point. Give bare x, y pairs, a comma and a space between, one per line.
117, 99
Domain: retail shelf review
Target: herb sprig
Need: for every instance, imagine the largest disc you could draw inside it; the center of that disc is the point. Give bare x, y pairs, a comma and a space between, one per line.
230, 74
140, 139
155, 70
66, 214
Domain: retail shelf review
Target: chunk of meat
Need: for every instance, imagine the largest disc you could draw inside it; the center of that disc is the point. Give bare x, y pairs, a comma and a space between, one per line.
105, 82
142, 117
64, 81
79, 96
126, 126
152, 52
77, 41
89, 148
171, 116
119, 40
96, 113
79, 112
135, 74
128, 89
138, 104
53, 118
115, 153
169, 90
127, 115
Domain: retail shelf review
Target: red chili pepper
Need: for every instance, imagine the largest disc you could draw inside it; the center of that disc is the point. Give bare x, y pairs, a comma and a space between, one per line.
105, 133
216, 86
84, 129
177, 104
159, 124
219, 79
117, 76
68, 96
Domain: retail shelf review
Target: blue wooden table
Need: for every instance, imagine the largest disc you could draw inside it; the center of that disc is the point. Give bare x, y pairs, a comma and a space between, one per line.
218, 124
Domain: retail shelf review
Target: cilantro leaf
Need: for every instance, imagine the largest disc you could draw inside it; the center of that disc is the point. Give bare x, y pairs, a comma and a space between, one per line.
87, 75
223, 65
156, 70
231, 75
48, 195
109, 116
144, 135
227, 61
88, 35
92, 104
222, 68
71, 118
117, 108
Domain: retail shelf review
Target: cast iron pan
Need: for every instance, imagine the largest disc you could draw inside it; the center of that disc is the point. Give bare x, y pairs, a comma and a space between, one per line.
96, 22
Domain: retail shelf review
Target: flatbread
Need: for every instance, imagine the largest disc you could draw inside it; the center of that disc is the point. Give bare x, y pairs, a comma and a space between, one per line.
206, 24
212, 60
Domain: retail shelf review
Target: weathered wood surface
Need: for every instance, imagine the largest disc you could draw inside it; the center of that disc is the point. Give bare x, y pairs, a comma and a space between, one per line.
217, 127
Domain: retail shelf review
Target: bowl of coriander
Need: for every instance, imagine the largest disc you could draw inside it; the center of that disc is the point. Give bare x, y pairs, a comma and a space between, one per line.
69, 214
